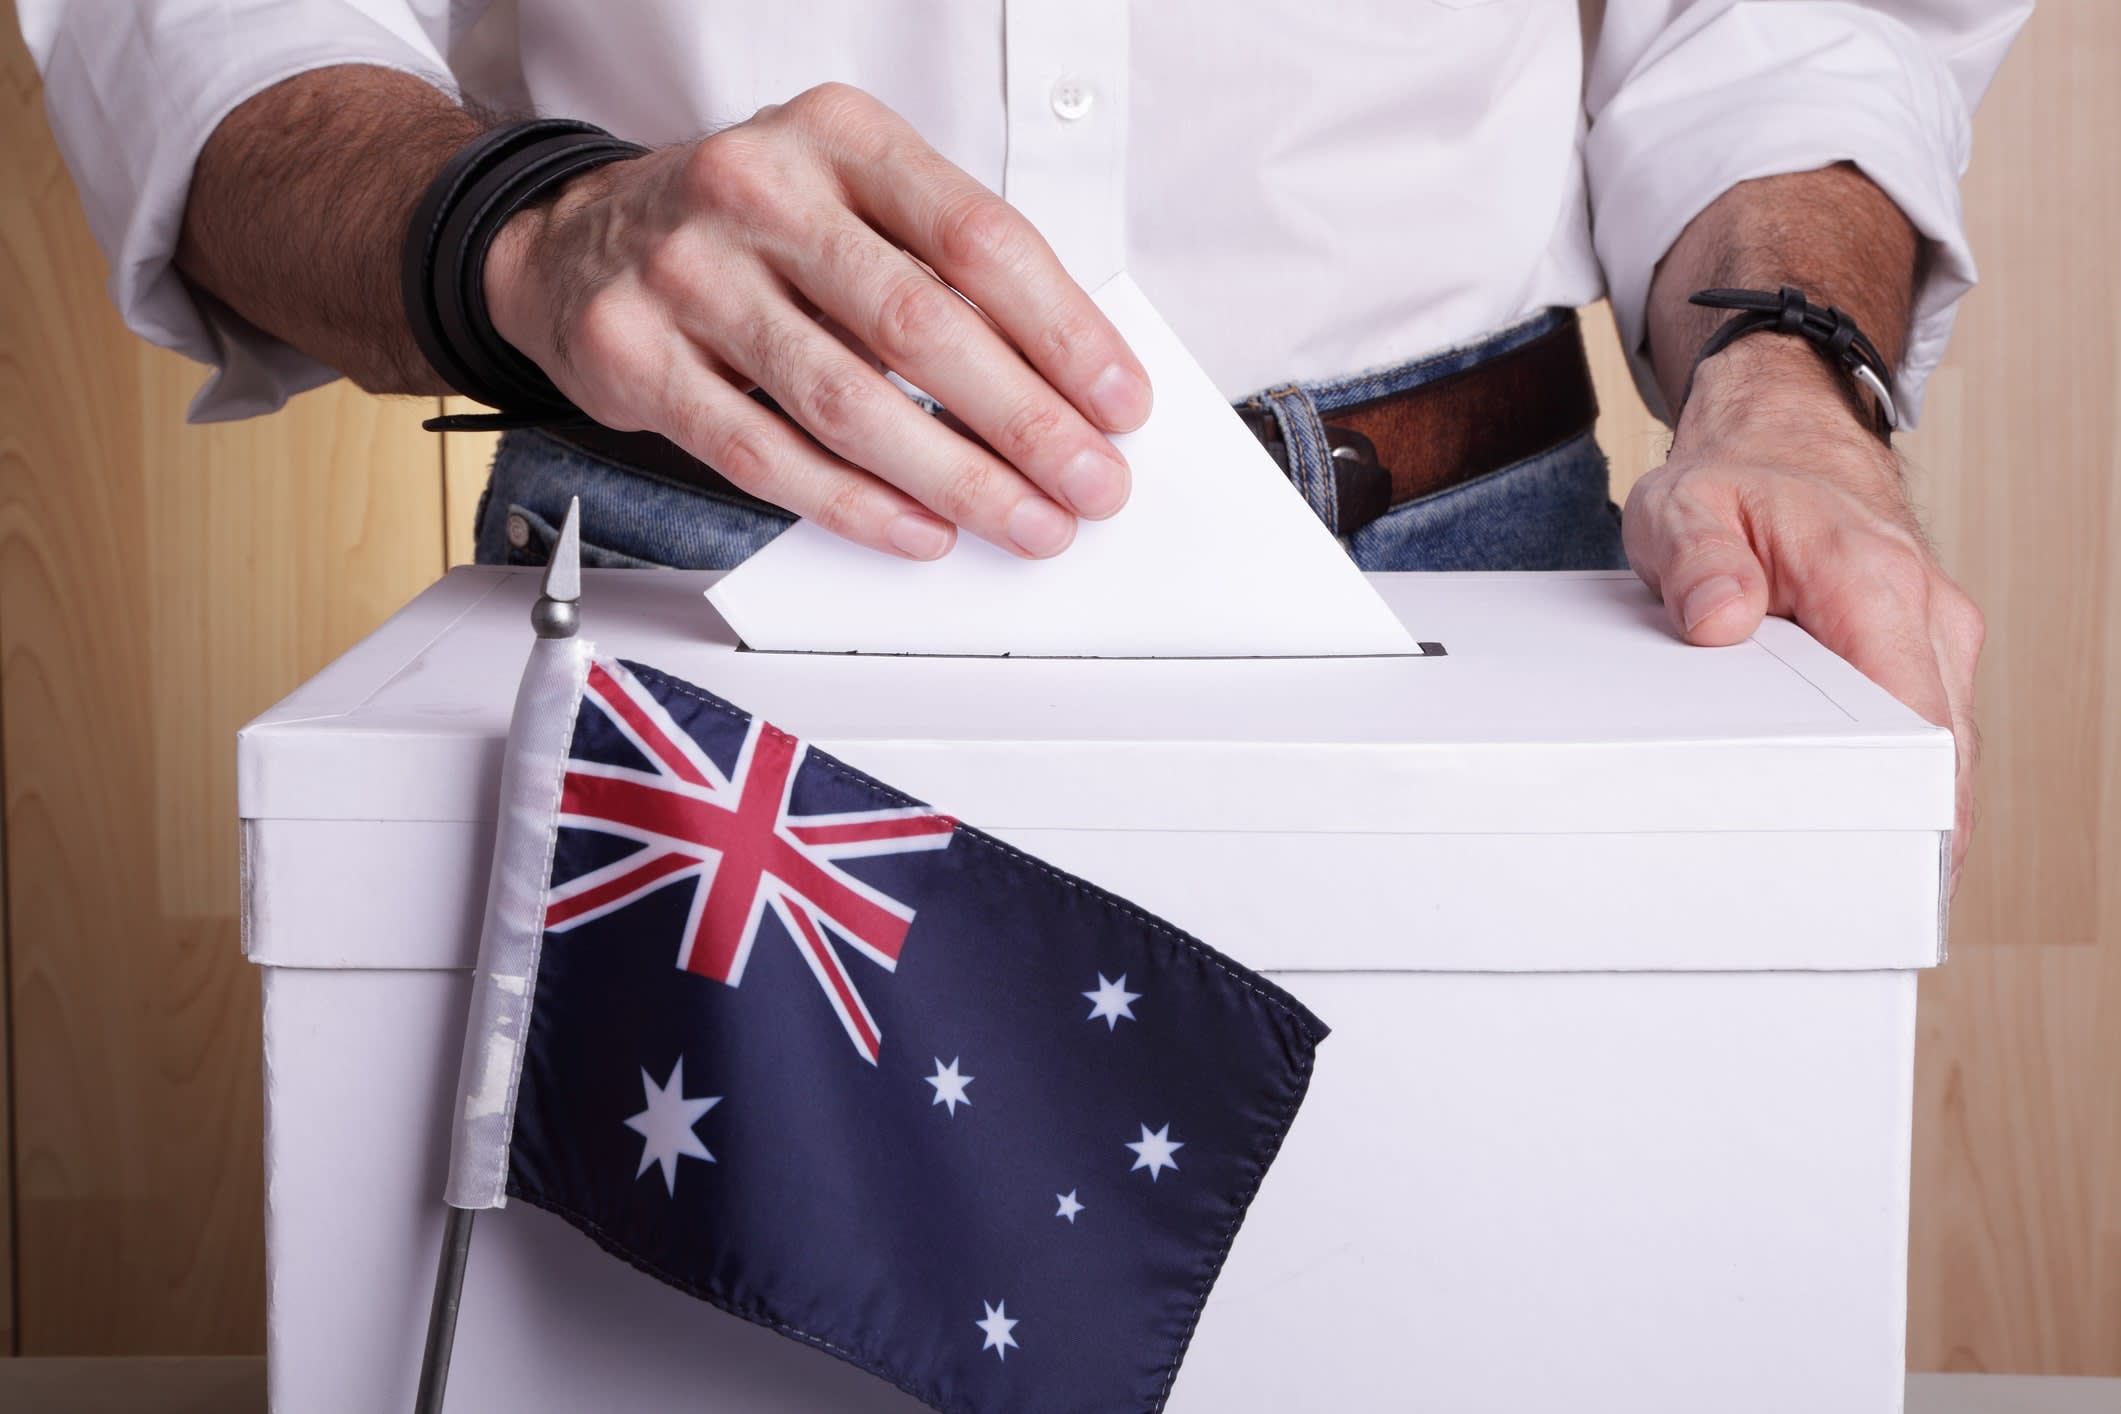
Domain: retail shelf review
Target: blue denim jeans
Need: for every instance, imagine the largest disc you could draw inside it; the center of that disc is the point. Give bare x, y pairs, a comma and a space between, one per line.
1548, 512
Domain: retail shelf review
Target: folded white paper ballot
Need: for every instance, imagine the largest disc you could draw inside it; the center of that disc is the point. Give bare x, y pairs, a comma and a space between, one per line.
1215, 555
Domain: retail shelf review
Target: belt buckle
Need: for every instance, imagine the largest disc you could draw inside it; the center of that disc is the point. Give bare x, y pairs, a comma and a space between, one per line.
1362, 485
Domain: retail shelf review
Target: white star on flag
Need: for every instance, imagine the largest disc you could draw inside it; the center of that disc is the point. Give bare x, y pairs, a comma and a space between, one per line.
1153, 1151
949, 1085
666, 1125
997, 1326
1112, 1001
1068, 1206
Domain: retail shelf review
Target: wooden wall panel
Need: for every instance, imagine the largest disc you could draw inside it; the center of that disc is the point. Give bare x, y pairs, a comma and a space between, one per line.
466, 458
1633, 440
2017, 1224
158, 585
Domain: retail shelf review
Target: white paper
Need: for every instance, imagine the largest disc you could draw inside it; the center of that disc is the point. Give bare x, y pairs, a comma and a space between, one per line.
1214, 555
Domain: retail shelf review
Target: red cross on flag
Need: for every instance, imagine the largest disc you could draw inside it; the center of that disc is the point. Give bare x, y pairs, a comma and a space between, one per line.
732, 835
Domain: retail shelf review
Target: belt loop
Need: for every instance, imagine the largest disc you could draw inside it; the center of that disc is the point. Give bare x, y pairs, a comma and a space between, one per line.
1310, 456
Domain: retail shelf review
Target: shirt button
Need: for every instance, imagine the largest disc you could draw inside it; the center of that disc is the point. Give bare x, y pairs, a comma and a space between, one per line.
518, 532
1072, 99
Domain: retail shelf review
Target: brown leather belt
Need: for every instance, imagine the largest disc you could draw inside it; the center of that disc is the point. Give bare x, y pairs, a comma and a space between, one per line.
1385, 453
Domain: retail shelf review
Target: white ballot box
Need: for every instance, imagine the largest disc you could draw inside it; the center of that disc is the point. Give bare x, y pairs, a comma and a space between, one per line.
1618, 940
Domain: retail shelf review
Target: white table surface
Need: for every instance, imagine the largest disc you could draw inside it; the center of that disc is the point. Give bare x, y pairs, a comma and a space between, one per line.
237, 1386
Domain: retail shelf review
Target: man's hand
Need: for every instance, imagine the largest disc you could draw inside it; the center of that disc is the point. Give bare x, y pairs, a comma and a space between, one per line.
792, 252
657, 292
1777, 500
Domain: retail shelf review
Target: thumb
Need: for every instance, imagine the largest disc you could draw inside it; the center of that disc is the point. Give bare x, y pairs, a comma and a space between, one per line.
1714, 588
1715, 592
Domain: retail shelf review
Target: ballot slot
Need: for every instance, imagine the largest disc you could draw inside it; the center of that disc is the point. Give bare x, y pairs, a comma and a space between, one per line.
1421, 649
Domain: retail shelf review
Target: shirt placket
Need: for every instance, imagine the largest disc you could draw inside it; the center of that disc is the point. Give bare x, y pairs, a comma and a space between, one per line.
1065, 75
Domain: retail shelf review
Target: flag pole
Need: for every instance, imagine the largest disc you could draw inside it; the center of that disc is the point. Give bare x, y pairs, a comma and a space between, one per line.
554, 615
442, 1315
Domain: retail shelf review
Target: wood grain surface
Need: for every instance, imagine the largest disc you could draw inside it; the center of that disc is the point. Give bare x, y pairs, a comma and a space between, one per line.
159, 583
2017, 1218
466, 458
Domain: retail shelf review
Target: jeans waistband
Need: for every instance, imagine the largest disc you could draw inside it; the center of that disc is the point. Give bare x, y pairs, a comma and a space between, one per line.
1301, 409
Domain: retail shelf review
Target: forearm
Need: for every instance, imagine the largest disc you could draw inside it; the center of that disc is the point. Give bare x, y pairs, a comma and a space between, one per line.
298, 210
1832, 234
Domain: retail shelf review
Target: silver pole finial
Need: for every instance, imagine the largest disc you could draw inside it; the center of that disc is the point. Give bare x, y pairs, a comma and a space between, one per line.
555, 614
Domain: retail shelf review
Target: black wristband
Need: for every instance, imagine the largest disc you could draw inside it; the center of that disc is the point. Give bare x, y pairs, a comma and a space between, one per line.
443, 267
1827, 329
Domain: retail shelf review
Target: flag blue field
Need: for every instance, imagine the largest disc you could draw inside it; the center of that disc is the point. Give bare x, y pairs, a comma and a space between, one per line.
846, 1067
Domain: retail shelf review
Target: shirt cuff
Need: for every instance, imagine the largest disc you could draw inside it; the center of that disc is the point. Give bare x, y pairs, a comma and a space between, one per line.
1752, 95
131, 108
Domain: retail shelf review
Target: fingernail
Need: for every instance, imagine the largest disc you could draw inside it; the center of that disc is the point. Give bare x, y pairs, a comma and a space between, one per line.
1039, 527
920, 537
1094, 484
1120, 398
1709, 596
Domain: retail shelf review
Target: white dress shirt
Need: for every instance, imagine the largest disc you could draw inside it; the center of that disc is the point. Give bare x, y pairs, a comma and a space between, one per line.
1306, 188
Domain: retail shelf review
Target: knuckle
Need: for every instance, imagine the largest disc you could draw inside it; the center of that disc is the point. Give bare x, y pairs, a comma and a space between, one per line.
604, 328
1027, 430
733, 171
1068, 338
669, 267
768, 347
965, 490
747, 453
1904, 572
977, 230
616, 392
846, 247
841, 512
1694, 539
912, 317
831, 107
840, 404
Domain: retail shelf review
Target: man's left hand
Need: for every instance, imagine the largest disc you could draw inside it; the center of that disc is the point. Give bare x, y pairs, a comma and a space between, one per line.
1776, 499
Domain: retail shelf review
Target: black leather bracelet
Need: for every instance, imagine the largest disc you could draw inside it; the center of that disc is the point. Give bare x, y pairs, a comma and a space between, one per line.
443, 267
1827, 329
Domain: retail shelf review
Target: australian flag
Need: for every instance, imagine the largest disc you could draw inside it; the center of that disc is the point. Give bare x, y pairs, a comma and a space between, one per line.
837, 1063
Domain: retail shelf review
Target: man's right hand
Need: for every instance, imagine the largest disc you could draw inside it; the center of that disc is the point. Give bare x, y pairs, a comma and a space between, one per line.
657, 292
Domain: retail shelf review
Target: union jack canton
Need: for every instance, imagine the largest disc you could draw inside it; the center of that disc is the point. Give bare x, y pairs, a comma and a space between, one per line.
732, 838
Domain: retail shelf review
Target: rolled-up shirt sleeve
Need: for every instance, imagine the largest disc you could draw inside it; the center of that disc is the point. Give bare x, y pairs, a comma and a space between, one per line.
1688, 98
133, 91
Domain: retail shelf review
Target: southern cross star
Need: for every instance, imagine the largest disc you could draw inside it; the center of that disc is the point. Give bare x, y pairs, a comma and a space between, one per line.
666, 1125
1068, 1206
997, 1327
1153, 1151
1112, 1001
949, 1085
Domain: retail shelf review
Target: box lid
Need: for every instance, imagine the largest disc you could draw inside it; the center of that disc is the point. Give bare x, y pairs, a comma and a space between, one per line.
1549, 703
1557, 785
